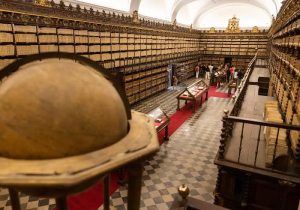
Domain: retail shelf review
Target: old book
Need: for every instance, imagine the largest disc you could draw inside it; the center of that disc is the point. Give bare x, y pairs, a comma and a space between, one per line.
7, 50
123, 55
130, 41
105, 40
115, 56
23, 28
93, 33
115, 47
5, 27
108, 65
94, 40
81, 39
48, 38
6, 37
81, 48
47, 30
115, 40
65, 39
66, 48
81, 32
105, 56
94, 48
95, 57
48, 48
105, 48
27, 38
27, 49
65, 31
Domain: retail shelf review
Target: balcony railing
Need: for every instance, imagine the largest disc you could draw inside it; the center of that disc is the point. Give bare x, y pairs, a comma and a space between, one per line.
243, 143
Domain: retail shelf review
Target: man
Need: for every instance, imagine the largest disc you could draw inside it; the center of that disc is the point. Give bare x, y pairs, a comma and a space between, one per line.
197, 70
210, 68
175, 82
206, 72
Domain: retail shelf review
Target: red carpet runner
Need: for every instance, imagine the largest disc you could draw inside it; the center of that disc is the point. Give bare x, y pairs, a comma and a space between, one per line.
179, 117
92, 198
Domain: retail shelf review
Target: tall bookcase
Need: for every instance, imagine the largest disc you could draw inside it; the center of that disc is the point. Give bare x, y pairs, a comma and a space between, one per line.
285, 67
140, 54
240, 47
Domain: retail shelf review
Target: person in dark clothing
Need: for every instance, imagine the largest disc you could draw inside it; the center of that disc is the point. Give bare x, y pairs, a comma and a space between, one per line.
212, 76
240, 76
227, 71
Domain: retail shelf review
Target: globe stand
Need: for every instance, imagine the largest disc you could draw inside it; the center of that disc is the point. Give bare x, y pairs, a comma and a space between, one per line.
82, 146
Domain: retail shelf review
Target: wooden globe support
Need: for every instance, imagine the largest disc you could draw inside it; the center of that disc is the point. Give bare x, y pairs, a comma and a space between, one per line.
59, 177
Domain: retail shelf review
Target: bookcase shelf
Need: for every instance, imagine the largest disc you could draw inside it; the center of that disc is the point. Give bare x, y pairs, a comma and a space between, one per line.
141, 55
285, 68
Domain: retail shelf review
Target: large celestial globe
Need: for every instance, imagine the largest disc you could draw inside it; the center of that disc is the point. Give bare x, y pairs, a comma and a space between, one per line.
58, 108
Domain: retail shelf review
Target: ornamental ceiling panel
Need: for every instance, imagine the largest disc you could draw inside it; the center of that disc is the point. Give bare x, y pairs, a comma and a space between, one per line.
199, 13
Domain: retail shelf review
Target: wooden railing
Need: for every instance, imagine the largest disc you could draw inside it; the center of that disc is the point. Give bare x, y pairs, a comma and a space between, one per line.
238, 97
279, 164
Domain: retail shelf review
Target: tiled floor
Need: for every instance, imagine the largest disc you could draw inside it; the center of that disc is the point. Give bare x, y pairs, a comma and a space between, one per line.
186, 159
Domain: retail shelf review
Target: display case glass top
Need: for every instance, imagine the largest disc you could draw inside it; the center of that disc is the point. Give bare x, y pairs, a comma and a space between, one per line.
159, 116
195, 89
193, 93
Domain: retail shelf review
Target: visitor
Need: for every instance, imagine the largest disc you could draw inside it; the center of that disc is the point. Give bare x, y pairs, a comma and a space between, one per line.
206, 73
210, 67
240, 76
175, 82
197, 70
227, 72
232, 72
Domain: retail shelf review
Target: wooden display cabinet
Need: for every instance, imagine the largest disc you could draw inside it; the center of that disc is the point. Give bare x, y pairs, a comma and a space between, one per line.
193, 93
161, 121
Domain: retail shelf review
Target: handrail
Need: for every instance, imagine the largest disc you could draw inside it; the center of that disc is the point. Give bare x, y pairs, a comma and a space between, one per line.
263, 123
231, 120
238, 97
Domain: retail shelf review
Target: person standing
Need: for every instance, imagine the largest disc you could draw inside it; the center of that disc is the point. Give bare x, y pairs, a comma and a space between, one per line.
210, 67
197, 70
227, 72
231, 72
240, 76
175, 82
206, 73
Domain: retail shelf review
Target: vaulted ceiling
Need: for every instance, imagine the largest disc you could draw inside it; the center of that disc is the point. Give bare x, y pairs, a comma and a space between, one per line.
200, 13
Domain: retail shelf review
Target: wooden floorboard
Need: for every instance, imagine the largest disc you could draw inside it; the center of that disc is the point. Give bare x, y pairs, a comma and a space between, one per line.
253, 107
259, 72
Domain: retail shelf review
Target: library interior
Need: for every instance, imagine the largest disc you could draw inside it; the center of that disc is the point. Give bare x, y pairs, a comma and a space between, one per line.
198, 104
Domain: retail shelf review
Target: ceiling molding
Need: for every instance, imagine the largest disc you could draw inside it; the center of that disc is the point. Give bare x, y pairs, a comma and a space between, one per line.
205, 9
214, 3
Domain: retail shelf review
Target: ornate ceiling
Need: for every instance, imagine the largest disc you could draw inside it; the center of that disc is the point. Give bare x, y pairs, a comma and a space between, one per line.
200, 13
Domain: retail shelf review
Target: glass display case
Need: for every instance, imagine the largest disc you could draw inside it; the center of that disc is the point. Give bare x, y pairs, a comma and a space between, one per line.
193, 93
161, 120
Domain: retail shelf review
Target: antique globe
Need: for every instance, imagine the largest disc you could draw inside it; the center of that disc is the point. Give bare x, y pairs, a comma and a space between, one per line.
58, 108
65, 124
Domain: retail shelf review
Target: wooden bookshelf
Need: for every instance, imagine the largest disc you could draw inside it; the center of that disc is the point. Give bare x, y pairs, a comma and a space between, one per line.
140, 52
285, 71
142, 55
240, 47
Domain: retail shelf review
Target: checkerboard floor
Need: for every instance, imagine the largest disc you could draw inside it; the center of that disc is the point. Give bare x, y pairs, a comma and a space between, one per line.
187, 158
